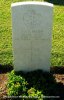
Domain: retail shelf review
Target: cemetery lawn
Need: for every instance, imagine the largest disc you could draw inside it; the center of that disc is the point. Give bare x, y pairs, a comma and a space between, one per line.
57, 52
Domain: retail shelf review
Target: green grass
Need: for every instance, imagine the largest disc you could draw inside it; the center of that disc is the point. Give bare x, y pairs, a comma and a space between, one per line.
57, 52
57, 58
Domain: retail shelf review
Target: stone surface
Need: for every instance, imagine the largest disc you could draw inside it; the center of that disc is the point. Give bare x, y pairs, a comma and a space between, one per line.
32, 31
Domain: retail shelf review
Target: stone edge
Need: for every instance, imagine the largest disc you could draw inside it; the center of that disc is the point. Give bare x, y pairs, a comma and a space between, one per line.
31, 3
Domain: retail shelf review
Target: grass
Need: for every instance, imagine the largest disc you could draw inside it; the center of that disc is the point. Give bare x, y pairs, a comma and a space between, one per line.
57, 52
57, 58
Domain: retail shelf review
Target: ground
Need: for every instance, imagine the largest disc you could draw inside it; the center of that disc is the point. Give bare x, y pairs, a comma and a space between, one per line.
59, 78
3, 81
4, 78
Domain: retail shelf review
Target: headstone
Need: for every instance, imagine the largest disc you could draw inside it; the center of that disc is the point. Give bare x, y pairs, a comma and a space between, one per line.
32, 34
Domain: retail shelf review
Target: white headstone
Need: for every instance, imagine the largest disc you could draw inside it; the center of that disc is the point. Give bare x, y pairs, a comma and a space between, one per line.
32, 31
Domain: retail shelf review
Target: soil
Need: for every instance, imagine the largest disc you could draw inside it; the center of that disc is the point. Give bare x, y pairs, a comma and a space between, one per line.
59, 78
3, 82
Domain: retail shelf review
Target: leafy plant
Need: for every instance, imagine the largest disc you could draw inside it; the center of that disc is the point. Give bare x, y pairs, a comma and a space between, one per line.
36, 94
16, 84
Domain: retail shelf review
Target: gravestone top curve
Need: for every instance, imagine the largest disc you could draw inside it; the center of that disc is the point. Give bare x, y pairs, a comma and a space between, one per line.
32, 2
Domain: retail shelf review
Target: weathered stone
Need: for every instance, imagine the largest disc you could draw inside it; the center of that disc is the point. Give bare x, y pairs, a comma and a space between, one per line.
32, 31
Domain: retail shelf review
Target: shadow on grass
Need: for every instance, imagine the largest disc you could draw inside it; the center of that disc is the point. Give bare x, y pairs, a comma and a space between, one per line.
5, 68
54, 69
44, 82
57, 70
56, 2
